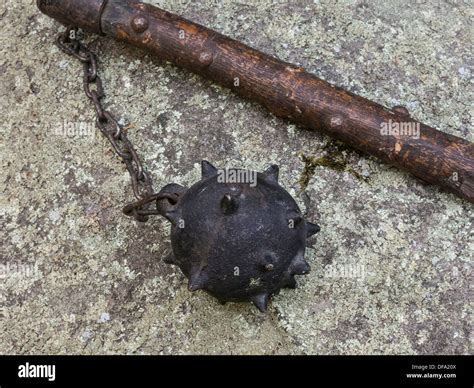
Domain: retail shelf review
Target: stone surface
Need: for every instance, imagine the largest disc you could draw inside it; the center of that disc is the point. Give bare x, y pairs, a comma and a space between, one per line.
391, 266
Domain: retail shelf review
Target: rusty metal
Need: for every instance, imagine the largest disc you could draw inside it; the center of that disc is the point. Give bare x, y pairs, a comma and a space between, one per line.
84, 14
111, 128
139, 24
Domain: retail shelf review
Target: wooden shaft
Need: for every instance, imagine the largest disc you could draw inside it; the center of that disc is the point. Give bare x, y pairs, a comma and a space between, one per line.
286, 90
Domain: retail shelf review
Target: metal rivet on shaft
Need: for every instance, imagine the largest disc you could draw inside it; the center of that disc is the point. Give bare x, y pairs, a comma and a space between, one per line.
401, 109
139, 24
206, 58
336, 121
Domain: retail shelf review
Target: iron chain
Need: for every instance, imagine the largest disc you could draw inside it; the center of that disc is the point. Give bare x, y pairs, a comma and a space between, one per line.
142, 186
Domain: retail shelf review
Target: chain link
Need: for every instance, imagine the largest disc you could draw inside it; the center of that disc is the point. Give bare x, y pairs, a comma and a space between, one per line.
142, 186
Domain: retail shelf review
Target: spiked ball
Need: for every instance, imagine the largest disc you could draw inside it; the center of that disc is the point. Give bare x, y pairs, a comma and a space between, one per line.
237, 234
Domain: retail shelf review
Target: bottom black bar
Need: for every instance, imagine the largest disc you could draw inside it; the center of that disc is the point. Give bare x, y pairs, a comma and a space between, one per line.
429, 371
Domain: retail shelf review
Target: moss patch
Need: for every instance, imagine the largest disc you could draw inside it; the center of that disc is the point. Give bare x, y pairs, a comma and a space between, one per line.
336, 156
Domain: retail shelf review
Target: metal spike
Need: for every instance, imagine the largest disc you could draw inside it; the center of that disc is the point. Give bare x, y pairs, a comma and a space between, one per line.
169, 258
197, 280
229, 204
207, 170
173, 216
261, 301
299, 265
311, 229
271, 173
291, 282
